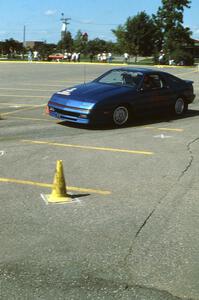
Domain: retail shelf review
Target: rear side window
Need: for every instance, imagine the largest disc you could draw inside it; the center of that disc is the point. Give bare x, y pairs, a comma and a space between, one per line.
174, 79
157, 82
153, 81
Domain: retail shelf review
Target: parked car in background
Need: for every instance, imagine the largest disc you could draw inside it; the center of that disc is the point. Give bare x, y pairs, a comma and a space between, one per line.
56, 57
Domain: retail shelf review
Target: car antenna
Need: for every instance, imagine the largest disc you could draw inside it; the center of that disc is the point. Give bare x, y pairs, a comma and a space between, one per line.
84, 74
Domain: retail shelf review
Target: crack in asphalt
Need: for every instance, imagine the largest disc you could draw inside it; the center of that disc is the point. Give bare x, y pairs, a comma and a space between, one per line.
188, 166
190, 159
142, 226
178, 179
155, 291
144, 223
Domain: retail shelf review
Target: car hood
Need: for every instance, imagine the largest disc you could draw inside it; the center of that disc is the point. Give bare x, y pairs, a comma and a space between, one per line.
88, 93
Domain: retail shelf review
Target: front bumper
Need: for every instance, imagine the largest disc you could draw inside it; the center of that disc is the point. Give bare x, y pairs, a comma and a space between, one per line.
75, 116
78, 115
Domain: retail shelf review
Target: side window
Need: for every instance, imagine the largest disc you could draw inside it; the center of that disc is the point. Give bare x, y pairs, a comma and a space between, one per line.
153, 82
173, 80
157, 82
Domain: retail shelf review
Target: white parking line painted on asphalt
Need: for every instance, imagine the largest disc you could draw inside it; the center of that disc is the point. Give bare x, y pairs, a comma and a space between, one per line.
164, 128
2, 152
162, 136
14, 106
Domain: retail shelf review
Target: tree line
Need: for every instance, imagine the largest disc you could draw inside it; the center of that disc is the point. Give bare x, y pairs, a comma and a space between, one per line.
162, 32
140, 35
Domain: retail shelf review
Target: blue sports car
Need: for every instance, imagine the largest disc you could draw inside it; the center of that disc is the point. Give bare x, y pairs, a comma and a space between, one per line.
119, 94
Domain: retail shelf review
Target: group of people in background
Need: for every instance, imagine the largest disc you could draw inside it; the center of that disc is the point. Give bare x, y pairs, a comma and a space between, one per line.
163, 60
75, 56
107, 57
33, 55
104, 57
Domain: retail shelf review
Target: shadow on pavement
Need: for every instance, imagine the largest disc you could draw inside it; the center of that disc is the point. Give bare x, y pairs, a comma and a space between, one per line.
137, 121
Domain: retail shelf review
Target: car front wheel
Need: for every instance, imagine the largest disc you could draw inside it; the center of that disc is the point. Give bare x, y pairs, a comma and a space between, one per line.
120, 115
180, 106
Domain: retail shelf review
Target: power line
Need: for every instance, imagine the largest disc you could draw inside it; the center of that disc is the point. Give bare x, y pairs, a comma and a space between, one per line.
93, 23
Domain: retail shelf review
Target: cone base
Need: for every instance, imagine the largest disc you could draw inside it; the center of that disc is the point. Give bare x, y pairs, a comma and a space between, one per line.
56, 199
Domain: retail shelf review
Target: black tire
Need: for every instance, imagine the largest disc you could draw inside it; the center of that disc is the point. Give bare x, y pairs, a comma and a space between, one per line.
186, 107
180, 106
121, 115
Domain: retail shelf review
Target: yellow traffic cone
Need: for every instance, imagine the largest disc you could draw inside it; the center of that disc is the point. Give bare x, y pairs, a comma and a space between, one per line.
59, 193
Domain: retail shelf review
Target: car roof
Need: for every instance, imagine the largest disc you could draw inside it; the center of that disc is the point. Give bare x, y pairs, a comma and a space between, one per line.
143, 70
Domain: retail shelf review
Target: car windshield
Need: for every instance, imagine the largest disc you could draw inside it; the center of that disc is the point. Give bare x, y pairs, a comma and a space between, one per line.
122, 78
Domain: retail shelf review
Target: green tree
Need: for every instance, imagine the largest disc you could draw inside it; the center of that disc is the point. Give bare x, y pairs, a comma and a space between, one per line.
137, 35
96, 46
66, 43
45, 50
122, 43
173, 36
78, 44
12, 47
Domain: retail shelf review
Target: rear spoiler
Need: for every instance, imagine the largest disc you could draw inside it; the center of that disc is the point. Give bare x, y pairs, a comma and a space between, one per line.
189, 81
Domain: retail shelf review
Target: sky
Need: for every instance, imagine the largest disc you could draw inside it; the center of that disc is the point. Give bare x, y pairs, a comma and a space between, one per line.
41, 18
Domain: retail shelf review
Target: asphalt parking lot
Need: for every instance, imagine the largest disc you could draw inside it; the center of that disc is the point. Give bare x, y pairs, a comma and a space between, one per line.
132, 229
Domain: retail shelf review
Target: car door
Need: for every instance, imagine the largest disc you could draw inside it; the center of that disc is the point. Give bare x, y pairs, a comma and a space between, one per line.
163, 94
154, 94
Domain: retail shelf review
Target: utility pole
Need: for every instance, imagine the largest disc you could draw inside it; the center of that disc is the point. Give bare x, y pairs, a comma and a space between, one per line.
64, 25
24, 36
24, 39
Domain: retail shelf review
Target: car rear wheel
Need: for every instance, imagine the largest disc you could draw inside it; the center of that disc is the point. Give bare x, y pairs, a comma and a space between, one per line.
120, 115
180, 106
